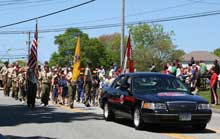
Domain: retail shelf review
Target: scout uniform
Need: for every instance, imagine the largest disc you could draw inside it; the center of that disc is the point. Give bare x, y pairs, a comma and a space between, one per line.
22, 85
4, 72
46, 77
87, 85
14, 85
71, 89
9, 81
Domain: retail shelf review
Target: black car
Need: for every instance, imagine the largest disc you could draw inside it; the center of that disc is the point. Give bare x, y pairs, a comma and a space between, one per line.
154, 98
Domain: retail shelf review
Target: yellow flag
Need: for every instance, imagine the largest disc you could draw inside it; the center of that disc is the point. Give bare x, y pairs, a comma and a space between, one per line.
76, 61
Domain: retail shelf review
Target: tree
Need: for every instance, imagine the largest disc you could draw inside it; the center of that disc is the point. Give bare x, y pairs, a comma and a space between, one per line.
91, 49
21, 63
152, 45
177, 55
217, 52
112, 47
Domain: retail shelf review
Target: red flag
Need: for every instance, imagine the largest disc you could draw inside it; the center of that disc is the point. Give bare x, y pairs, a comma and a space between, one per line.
128, 57
32, 61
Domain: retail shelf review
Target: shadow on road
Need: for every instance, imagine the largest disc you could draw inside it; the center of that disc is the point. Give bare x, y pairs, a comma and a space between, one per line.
19, 137
164, 128
12, 115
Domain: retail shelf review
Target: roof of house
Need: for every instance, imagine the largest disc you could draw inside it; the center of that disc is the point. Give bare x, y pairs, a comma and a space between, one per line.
200, 55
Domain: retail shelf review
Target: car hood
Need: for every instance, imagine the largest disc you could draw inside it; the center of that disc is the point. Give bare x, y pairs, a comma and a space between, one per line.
170, 96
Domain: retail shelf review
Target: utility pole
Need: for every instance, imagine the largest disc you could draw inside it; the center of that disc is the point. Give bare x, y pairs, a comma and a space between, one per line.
122, 34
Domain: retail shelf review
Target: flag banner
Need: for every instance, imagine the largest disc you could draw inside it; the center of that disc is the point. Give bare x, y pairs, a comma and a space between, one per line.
76, 61
128, 58
32, 59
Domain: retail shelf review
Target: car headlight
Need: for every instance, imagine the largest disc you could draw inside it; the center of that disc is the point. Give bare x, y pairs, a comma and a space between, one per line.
154, 106
203, 106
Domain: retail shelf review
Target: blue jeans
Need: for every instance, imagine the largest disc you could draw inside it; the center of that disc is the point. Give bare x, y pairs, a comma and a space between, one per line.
80, 94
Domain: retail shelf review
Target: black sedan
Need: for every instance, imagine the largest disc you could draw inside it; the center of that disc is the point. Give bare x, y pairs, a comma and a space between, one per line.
154, 98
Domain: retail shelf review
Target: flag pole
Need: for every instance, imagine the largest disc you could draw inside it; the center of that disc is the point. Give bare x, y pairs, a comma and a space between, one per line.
36, 30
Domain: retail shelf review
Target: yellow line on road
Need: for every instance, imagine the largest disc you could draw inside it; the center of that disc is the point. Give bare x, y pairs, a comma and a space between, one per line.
179, 136
68, 108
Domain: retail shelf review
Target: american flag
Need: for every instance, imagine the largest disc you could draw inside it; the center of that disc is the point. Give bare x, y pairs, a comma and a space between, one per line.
32, 61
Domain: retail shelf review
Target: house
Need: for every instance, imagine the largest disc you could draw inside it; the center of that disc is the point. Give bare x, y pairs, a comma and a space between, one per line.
207, 57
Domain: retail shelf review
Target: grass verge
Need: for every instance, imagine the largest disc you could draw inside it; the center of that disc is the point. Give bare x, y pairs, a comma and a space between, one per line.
207, 95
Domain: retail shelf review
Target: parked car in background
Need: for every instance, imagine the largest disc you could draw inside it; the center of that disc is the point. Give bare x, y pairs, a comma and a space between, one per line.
154, 98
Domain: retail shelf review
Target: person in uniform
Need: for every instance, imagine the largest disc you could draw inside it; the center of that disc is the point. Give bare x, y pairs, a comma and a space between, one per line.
22, 84
46, 77
9, 80
4, 73
15, 84
31, 88
87, 84
71, 88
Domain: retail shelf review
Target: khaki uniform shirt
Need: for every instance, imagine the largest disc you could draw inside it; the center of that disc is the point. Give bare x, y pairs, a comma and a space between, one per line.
21, 79
46, 77
14, 79
4, 72
10, 73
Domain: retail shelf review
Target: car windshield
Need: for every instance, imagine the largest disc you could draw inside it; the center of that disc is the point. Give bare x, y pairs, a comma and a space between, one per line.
156, 84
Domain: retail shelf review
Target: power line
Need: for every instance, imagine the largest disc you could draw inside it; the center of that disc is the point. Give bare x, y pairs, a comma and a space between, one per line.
172, 18
12, 24
8, 3
209, 3
135, 14
34, 5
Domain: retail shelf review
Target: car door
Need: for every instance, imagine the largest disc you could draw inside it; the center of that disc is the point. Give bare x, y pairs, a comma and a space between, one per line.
115, 94
127, 99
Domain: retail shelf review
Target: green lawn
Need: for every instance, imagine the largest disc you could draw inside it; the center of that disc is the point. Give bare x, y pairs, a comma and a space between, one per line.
207, 95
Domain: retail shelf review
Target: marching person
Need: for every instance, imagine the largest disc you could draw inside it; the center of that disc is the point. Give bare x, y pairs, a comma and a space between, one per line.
31, 88
22, 84
55, 86
4, 73
63, 85
87, 84
71, 88
46, 77
9, 80
79, 84
15, 84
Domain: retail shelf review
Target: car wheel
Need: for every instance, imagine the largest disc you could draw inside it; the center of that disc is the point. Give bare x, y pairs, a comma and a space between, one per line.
138, 122
199, 126
107, 113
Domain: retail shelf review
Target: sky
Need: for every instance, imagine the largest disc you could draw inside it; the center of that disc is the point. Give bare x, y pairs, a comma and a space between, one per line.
190, 34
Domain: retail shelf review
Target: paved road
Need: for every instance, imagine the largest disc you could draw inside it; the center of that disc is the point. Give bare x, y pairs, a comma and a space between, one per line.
60, 122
